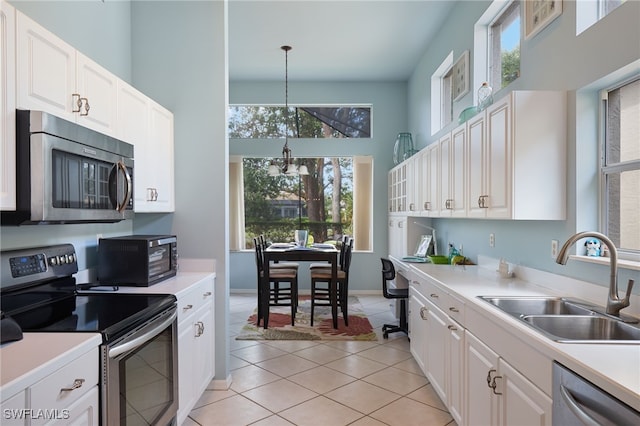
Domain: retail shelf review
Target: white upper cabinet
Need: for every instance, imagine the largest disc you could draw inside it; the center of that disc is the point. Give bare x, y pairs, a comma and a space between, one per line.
517, 158
452, 173
149, 127
160, 153
508, 162
7, 108
53, 77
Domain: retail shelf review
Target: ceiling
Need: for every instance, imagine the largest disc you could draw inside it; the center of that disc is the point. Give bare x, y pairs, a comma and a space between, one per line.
332, 40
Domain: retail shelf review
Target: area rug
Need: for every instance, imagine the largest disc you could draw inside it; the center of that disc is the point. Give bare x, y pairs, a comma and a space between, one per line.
280, 327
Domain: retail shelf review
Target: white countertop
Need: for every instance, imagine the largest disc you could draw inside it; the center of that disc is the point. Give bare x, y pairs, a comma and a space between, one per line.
613, 367
37, 355
26, 361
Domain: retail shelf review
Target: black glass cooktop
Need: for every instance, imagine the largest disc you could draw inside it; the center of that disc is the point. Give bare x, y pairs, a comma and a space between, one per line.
111, 314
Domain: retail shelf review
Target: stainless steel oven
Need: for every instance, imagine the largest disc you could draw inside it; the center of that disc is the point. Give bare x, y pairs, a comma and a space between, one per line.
139, 383
139, 356
69, 174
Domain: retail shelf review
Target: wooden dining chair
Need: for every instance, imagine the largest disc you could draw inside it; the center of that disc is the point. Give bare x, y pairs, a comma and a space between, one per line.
325, 265
321, 289
281, 288
278, 265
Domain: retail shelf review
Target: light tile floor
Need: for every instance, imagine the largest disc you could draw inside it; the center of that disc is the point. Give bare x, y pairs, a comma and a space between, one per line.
325, 383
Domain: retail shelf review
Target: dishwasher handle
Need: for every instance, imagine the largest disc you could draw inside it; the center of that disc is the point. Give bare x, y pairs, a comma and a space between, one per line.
575, 408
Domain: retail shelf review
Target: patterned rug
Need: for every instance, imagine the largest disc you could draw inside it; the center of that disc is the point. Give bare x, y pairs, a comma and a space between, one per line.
280, 327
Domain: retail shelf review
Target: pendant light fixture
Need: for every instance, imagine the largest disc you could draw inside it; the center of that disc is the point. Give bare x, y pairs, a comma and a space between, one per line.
288, 166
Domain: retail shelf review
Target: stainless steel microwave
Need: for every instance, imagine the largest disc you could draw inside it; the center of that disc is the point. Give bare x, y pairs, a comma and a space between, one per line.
67, 173
137, 260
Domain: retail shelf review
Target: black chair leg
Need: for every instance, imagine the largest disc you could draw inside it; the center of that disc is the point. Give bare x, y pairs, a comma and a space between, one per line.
403, 326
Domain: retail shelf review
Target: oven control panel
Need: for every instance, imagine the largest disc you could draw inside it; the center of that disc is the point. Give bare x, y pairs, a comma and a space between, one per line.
19, 267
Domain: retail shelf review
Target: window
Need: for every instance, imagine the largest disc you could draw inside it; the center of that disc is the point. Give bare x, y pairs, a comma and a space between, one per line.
324, 202
304, 122
590, 12
504, 47
620, 167
442, 95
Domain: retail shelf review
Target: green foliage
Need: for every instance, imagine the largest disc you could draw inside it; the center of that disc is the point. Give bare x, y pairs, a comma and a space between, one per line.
510, 66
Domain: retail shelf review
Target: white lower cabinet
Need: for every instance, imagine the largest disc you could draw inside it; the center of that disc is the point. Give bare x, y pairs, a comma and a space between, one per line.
196, 344
417, 327
476, 384
497, 394
67, 396
437, 342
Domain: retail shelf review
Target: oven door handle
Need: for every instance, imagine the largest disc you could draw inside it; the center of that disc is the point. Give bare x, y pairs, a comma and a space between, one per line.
143, 338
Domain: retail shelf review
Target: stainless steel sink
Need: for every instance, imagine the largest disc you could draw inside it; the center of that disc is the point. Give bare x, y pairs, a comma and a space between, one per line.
568, 320
586, 328
520, 306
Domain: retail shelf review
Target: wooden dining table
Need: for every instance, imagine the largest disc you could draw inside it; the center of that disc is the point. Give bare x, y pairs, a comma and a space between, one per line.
289, 253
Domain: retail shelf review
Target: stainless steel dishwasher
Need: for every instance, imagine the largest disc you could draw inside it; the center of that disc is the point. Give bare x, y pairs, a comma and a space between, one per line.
577, 401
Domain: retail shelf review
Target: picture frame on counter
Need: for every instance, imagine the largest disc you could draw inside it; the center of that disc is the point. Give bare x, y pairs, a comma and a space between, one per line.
538, 14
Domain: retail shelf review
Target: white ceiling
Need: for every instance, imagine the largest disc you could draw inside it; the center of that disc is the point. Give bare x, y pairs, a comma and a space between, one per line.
332, 40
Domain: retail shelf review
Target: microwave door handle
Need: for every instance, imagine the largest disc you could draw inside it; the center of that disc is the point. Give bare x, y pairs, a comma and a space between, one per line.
121, 167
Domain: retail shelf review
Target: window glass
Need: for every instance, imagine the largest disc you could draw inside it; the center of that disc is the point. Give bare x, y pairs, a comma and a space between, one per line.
504, 50
621, 166
321, 202
304, 122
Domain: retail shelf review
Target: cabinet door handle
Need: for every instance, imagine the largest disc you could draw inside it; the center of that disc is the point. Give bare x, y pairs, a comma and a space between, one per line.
452, 327
423, 312
77, 383
489, 378
435, 296
199, 328
454, 309
186, 308
86, 107
494, 385
207, 294
76, 103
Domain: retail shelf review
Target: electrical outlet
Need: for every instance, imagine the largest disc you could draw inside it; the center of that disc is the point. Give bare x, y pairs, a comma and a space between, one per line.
554, 249
492, 240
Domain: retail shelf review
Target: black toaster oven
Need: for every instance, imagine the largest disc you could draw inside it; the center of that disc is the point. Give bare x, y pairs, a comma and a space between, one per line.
137, 260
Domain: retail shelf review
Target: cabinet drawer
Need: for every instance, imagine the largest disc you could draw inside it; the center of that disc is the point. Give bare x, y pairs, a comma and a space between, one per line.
65, 386
192, 300
455, 309
13, 409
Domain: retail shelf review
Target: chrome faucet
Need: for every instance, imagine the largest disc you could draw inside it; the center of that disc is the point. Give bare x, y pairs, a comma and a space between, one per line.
614, 303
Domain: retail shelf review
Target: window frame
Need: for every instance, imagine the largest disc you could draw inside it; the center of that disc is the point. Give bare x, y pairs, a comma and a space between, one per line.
606, 168
363, 199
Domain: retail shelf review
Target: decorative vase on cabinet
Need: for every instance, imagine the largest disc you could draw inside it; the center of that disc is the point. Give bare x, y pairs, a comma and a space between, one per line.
403, 148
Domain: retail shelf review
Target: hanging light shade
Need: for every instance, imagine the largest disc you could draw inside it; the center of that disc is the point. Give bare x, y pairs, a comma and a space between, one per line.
287, 164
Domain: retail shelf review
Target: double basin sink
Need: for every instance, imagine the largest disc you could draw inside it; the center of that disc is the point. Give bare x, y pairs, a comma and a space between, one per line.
568, 320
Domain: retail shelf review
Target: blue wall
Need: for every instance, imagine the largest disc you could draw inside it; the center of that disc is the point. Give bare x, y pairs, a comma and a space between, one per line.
389, 117
555, 59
